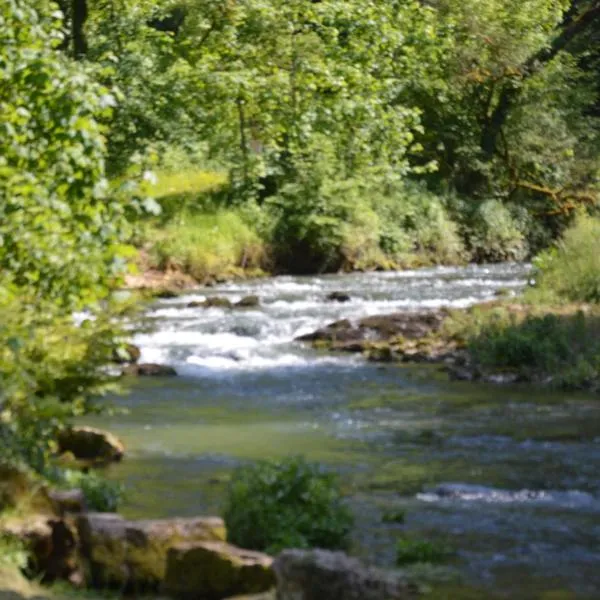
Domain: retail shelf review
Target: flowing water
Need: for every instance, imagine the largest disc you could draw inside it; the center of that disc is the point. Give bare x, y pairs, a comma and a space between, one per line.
507, 476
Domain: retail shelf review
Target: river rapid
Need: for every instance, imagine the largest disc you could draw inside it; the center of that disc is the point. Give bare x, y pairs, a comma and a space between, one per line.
507, 476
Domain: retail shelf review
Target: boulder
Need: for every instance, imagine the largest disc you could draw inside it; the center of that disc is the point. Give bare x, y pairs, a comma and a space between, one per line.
51, 544
68, 501
132, 555
87, 443
320, 575
248, 302
380, 328
338, 297
339, 331
217, 302
149, 370
216, 570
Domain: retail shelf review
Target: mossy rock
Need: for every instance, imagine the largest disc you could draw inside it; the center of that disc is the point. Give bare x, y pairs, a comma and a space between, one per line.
89, 444
215, 570
132, 555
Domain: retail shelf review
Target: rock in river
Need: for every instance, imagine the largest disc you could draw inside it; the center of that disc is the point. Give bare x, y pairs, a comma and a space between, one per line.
149, 370
216, 570
248, 302
321, 575
87, 443
132, 555
338, 297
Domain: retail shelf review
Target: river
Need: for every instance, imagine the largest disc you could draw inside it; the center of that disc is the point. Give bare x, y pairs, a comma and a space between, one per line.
507, 476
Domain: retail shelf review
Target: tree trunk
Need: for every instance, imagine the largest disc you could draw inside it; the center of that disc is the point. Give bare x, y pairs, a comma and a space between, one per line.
572, 27
78, 19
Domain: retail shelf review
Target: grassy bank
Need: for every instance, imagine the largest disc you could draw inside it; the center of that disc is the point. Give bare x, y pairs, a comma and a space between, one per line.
199, 232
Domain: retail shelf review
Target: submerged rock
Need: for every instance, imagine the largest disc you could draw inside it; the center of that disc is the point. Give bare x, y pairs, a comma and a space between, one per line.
87, 443
321, 575
217, 302
338, 297
149, 370
132, 555
248, 302
216, 570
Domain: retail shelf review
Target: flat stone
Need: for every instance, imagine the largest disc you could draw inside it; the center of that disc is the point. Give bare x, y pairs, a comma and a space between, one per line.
132, 555
216, 570
322, 575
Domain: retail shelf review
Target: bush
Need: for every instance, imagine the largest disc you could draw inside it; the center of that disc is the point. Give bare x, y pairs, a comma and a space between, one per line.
494, 234
288, 504
101, 495
571, 270
416, 221
409, 551
322, 225
205, 245
562, 347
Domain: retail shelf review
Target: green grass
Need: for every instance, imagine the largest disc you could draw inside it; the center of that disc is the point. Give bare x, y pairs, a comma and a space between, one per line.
547, 343
194, 234
570, 272
206, 245
194, 182
411, 551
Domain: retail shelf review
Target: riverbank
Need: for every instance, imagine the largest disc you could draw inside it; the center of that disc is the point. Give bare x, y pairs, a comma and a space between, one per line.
501, 342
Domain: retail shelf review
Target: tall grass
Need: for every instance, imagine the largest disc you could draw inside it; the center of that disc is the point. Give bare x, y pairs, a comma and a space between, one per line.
206, 245
571, 271
194, 234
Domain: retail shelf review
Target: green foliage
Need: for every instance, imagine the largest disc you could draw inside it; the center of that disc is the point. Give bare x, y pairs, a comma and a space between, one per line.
494, 234
101, 494
560, 348
287, 504
61, 226
12, 553
206, 245
414, 220
394, 516
322, 223
51, 369
571, 270
410, 551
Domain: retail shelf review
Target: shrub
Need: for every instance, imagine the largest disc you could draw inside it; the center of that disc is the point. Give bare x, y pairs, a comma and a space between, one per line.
562, 347
322, 224
101, 495
495, 235
409, 551
571, 270
287, 504
206, 244
416, 221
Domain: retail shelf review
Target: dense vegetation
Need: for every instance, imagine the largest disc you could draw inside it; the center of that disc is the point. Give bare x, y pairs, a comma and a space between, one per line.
291, 504
348, 134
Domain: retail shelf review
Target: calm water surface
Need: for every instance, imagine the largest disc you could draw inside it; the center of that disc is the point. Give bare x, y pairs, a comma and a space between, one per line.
509, 477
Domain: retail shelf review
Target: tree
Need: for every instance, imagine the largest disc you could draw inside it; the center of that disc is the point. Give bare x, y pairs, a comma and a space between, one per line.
62, 233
